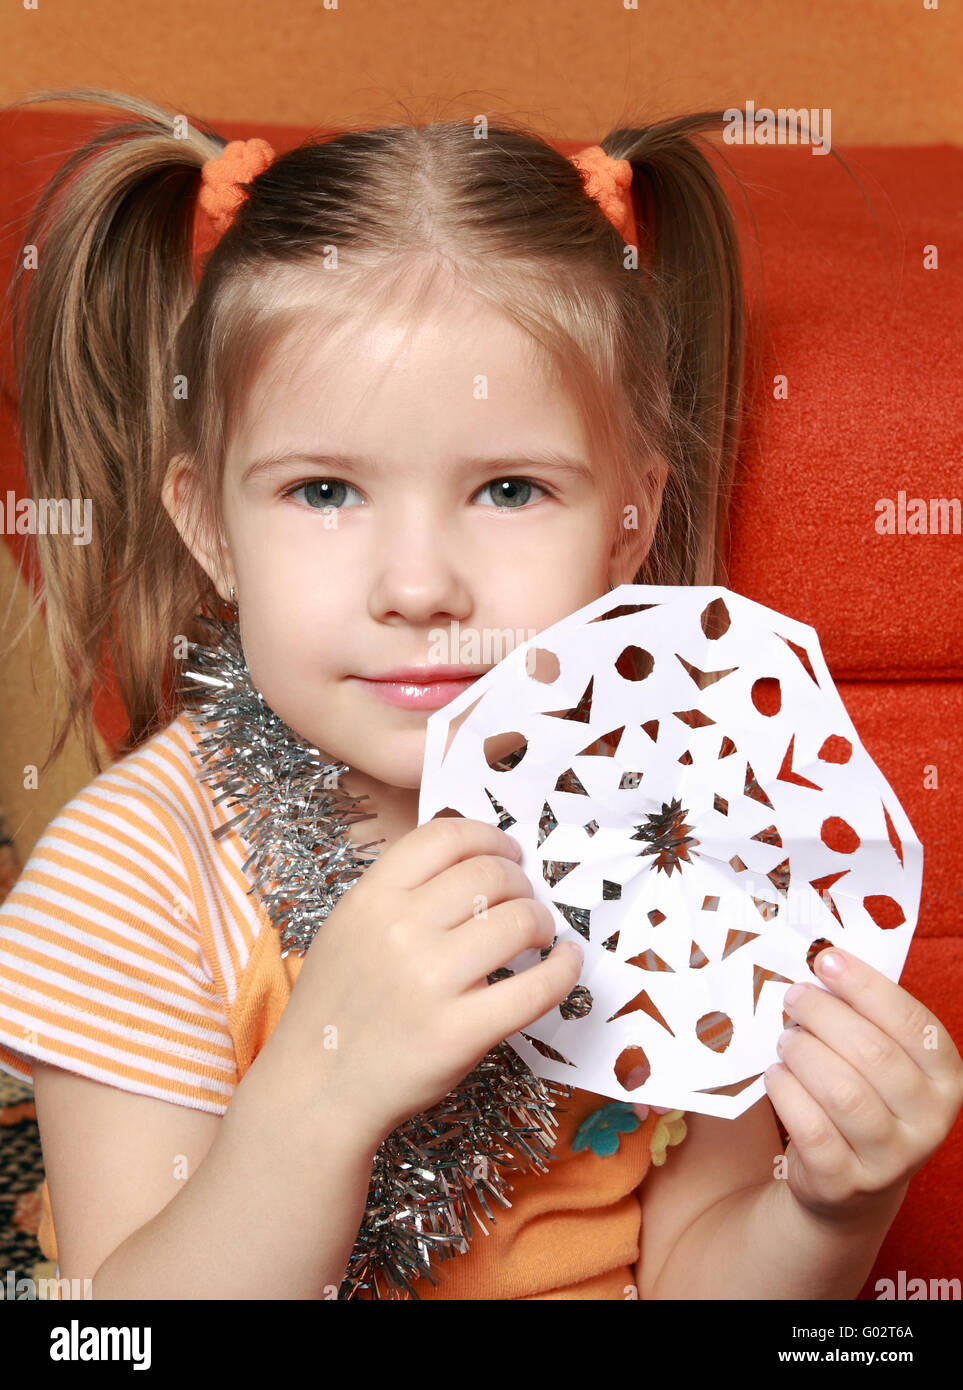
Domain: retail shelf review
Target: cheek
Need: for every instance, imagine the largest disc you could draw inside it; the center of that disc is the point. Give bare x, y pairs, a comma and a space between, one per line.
290, 574
293, 636
549, 576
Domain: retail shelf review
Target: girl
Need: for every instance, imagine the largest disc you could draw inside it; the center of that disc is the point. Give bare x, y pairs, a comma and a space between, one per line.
412, 391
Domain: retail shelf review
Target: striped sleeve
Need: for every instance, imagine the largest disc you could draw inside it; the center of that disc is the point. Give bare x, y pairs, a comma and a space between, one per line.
102, 964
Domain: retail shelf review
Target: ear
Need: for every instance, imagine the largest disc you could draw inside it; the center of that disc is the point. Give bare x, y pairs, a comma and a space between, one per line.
180, 495
636, 522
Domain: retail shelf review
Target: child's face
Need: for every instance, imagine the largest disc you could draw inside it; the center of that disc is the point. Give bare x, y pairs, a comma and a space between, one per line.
416, 540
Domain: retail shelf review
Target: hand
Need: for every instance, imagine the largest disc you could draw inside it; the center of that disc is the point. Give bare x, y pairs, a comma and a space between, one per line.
392, 1007
869, 1087
634, 1078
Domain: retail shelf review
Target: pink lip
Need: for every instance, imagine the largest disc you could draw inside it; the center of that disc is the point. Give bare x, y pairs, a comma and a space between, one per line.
427, 688
427, 675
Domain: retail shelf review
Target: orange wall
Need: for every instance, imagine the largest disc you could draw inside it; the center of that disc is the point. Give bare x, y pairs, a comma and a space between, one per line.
888, 69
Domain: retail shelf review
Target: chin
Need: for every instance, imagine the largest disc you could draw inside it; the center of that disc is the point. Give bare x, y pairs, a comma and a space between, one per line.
407, 779
391, 773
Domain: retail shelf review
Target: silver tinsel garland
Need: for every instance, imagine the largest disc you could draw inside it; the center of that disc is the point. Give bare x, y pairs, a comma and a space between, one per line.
294, 818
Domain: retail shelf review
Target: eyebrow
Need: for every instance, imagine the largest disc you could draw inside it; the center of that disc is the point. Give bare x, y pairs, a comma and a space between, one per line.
550, 459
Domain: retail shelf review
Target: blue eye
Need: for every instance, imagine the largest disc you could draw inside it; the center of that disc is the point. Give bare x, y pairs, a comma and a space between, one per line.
330, 492
331, 498
514, 499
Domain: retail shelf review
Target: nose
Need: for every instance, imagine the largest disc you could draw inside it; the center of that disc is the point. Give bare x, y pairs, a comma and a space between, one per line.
417, 572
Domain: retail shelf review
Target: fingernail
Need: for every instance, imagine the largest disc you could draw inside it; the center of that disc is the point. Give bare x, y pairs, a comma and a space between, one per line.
831, 962
574, 946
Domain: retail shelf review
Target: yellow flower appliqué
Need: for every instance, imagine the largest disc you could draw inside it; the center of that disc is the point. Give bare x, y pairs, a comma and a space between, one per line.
669, 1131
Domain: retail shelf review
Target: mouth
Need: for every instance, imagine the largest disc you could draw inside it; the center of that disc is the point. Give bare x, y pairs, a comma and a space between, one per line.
430, 690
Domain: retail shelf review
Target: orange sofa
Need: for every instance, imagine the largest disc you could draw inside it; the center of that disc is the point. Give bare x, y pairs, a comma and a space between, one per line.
855, 346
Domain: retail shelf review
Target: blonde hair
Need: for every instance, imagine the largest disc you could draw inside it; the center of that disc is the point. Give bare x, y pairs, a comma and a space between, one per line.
653, 355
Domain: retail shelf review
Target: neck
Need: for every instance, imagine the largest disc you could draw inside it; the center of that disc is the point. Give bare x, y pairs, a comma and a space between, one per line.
395, 809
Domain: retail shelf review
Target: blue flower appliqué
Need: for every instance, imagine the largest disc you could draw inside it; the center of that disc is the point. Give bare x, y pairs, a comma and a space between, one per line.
600, 1131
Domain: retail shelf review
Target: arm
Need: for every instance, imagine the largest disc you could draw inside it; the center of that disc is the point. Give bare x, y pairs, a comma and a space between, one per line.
274, 1209
718, 1223
761, 1243
270, 1207
717, 1160
870, 1085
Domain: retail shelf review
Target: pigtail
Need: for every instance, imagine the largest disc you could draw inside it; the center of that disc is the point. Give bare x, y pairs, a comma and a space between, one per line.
691, 246
93, 325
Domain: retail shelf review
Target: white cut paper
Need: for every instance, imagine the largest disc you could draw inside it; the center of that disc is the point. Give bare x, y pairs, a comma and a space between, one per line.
701, 854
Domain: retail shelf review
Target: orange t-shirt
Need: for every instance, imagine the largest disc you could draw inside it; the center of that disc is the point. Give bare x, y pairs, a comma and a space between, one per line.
132, 952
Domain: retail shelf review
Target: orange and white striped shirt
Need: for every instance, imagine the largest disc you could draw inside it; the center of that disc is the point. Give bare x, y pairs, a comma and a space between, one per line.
132, 951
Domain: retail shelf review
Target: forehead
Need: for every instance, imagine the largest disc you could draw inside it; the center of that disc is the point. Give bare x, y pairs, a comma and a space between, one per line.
452, 367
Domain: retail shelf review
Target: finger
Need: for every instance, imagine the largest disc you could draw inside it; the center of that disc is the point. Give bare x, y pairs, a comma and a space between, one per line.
438, 844
894, 1011
849, 1101
877, 1057
510, 1005
823, 1154
471, 890
637, 1076
485, 944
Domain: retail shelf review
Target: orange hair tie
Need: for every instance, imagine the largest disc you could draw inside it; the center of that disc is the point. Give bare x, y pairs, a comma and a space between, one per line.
221, 193
609, 182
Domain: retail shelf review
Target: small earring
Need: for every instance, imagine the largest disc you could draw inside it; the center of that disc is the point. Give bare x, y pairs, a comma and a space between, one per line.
232, 598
